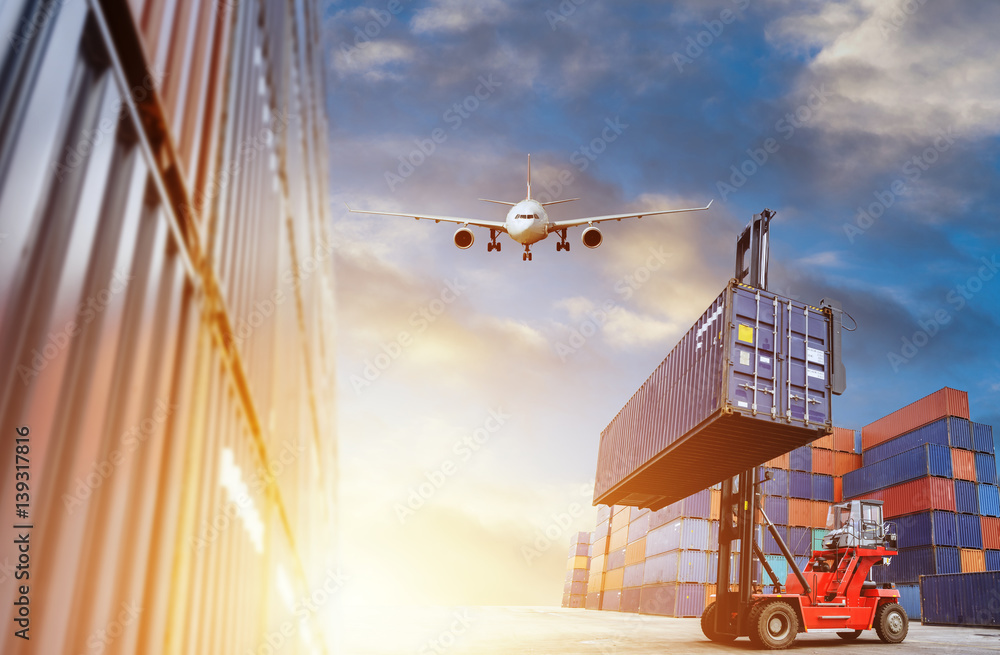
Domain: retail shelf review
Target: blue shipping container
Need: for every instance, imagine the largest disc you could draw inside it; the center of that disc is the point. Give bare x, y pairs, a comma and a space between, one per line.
780, 567
966, 497
909, 598
768, 543
918, 462
938, 528
959, 599
932, 433
822, 487
801, 459
800, 541
776, 508
690, 600
800, 485
777, 485
993, 560
982, 438
989, 500
986, 468
713, 535
677, 566
961, 433
692, 534
970, 533
909, 564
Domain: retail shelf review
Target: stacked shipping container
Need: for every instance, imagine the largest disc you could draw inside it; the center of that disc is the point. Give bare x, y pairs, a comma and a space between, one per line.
578, 571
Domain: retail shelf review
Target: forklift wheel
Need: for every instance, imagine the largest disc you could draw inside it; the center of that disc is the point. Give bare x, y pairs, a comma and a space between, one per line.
775, 627
891, 623
708, 626
849, 636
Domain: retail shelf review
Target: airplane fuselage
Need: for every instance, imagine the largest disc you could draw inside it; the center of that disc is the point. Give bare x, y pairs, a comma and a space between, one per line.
527, 222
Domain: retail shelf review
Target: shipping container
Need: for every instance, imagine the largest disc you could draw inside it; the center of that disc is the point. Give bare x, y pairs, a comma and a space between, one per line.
713, 535
777, 509
779, 462
938, 528
844, 463
603, 513
963, 464
621, 518
826, 441
820, 512
635, 552
973, 560
580, 562
612, 599
799, 485
614, 579
577, 575
677, 566
982, 438
616, 559
800, 541
822, 487
710, 593
692, 534
911, 563
818, 534
671, 599
929, 459
779, 565
838, 489
633, 577
597, 563
961, 599
600, 547
716, 501
989, 500
915, 496
577, 588
800, 459
768, 543
990, 528
942, 403
966, 497
800, 512
582, 550
618, 539
638, 527
909, 598
843, 440
777, 485
992, 560
595, 583
747, 383
581, 538
986, 468
630, 600
970, 533
594, 600
823, 461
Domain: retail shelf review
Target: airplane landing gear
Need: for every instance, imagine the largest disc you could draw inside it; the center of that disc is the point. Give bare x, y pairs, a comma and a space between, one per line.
527, 254
493, 244
563, 243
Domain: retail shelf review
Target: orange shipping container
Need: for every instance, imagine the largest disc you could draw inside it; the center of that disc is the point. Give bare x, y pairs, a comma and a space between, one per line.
600, 547
991, 532
779, 462
945, 402
613, 579
963, 464
596, 583
973, 561
597, 564
819, 512
822, 461
713, 509
800, 513
621, 519
635, 552
826, 441
838, 489
844, 463
710, 591
579, 562
843, 440
619, 538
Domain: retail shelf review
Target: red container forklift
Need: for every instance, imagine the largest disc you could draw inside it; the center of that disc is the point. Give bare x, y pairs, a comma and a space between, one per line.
833, 593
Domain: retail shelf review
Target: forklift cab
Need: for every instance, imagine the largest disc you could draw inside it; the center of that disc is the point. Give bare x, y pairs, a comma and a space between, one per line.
857, 524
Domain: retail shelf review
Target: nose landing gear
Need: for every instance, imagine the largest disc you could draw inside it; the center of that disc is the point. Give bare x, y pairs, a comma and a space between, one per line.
527, 254
563, 244
493, 244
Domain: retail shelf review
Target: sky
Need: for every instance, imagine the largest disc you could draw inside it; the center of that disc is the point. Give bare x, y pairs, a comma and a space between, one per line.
473, 386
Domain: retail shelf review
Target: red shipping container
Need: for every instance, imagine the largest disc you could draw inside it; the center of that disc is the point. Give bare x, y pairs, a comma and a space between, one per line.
819, 512
991, 532
845, 463
822, 461
843, 440
800, 513
825, 441
838, 489
963, 464
941, 403
915, 496
779, 462
635, 552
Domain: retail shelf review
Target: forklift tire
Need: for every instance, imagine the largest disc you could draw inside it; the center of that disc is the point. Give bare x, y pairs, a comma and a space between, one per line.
708, 626
849, 636
773, 625
891, 623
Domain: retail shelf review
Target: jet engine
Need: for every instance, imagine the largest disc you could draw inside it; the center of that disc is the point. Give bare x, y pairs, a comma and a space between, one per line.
592, 237
464, 238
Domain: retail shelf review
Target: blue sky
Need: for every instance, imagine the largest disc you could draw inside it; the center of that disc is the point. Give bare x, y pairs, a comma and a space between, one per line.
879, 122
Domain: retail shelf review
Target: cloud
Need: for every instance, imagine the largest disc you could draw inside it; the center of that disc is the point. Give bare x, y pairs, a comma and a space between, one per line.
459, 15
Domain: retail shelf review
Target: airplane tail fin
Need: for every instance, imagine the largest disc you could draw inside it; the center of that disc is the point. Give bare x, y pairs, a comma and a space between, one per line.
529, 178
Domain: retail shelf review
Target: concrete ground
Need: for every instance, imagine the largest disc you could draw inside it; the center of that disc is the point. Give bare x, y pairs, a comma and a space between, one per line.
552, 631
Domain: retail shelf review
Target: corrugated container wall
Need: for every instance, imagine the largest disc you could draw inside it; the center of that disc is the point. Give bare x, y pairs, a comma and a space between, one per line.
963, 599
166, 299
941, 403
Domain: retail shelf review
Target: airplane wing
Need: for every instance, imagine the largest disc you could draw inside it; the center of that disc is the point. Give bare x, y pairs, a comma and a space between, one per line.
559, 225
494, 225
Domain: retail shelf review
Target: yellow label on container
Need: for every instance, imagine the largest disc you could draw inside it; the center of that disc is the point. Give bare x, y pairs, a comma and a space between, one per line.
746, 333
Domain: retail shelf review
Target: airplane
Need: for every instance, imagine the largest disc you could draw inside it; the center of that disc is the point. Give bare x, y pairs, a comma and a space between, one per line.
528, 223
